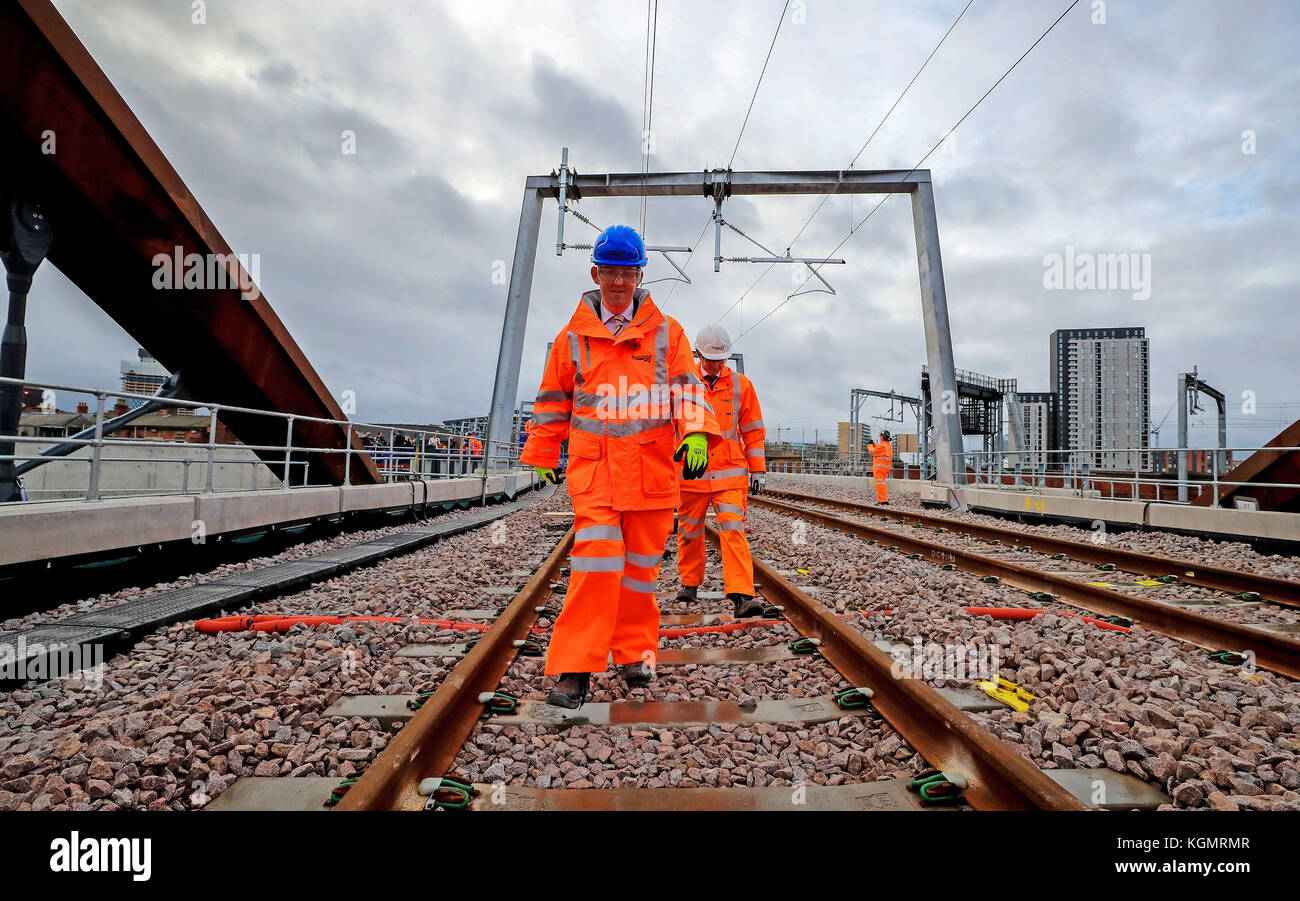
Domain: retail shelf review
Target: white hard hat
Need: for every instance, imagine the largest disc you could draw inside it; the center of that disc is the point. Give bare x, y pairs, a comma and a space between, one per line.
713, 342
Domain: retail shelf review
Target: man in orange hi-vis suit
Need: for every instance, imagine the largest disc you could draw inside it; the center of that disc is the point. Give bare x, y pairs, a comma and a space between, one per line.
620, 383
724, 484
882, 460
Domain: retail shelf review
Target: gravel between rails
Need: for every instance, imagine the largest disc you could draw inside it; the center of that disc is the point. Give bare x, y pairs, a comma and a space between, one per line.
849, 750
1211, 735
182, 714
1229, 554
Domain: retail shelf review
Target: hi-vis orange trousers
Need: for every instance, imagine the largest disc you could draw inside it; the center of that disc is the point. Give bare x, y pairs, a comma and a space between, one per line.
737, 564
610, 605
880, 473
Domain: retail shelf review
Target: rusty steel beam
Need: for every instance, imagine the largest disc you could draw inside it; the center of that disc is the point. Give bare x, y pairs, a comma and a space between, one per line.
1272, 652
428, 744
115, 201
948, 739
1269, 588
1277, 466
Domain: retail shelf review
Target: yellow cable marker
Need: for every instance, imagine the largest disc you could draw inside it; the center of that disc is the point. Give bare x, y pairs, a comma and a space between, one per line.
1008, 693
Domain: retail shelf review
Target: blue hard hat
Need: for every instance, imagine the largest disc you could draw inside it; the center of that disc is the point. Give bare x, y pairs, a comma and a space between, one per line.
619, 245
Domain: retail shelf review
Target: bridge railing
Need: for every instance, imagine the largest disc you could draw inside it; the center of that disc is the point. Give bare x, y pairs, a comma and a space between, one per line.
399, 453
1116, 473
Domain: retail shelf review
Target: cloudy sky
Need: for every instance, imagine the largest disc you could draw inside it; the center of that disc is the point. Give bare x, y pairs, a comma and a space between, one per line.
1122, 137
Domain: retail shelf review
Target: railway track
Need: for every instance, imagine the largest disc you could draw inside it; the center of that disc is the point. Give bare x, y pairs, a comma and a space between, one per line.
1043, 579
415, 770
1257, 587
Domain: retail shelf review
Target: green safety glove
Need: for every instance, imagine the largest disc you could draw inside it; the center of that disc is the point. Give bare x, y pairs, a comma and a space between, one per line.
545, 473
695, 447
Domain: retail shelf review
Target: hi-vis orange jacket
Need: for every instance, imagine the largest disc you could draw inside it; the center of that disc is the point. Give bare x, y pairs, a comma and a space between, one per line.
620, 401
882, 456
740, 419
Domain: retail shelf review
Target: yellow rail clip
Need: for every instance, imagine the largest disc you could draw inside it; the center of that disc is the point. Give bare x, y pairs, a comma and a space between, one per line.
1008, 693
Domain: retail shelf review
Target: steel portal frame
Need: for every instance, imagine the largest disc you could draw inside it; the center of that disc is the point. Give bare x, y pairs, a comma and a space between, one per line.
719, 184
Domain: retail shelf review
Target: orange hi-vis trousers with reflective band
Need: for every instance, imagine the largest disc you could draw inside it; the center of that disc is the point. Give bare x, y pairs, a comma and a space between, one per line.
610, 605
737, 564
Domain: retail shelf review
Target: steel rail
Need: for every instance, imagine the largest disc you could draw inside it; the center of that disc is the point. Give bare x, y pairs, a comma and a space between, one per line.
949, 739
1272, 652
430, 741
1270, 588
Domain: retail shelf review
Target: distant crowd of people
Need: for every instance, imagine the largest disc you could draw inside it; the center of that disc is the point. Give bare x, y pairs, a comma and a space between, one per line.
431, 452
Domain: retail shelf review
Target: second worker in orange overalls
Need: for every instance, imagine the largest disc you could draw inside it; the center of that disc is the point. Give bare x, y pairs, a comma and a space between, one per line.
739, 460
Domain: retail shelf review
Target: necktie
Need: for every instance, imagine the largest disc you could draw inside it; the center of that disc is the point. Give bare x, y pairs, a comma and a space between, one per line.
616, 324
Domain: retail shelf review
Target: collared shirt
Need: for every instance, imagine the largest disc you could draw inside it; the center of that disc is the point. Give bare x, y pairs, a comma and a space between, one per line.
627, 313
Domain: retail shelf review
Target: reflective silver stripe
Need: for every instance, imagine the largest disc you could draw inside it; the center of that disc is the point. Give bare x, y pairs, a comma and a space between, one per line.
686, 533
654, 395
726, 473
544, 418
637, 585
618, 429
730, 435
687, 378
680, 395
750, 426
596, 564
725, 526
689, 520
575, 352
649, 561
599, 533
735, 389
754, 452
584, 424
661, 353
637, 426
729, 508
553, 397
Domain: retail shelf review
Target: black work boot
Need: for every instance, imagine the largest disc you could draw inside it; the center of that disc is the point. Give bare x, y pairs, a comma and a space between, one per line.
688, 593
570, 691
636, 675
746, 605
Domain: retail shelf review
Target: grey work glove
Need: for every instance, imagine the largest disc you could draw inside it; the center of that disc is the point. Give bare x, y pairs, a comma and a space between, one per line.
757, 483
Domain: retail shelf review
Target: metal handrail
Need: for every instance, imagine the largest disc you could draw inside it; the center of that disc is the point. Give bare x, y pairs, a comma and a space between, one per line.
427, 457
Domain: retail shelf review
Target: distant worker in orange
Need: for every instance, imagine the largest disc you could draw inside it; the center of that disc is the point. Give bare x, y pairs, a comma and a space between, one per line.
882, 461
475, 445
620, 383
737, 465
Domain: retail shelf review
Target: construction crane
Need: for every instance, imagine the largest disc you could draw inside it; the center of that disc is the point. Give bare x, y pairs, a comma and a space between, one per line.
1155, 432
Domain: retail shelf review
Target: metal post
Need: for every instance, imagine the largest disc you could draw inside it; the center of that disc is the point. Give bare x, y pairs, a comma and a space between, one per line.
212, 448
938, 337
505, 388
25, 239
1214, 468
347, 456
1221, 455
1180, 400
97, 450
287, 481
